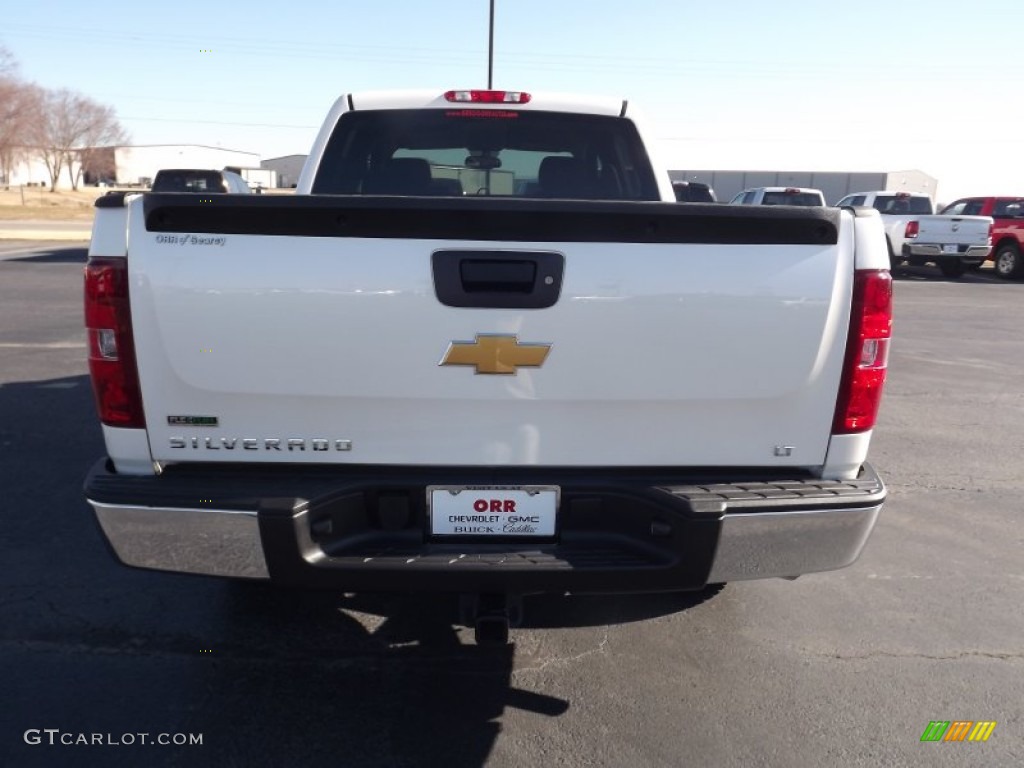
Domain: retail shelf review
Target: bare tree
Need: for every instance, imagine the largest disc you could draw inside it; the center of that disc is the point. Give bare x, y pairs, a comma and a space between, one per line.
68, 124
62, 127
49, 132
97, 162
19, 107
100, 130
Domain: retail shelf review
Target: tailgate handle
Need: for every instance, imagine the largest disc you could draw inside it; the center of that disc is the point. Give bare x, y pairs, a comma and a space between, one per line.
498, 279
481, 275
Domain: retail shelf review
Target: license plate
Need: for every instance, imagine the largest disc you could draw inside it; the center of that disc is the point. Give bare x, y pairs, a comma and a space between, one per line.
949, 249
518, 511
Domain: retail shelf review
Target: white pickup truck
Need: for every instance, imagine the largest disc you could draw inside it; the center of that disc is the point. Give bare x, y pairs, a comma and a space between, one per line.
917, 235
483, 351
779, 196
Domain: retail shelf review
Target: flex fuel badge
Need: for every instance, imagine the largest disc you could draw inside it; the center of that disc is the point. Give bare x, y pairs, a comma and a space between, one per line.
192, 421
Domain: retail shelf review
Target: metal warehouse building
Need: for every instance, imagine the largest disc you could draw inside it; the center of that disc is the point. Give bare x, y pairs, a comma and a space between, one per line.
136, 164
139, 163
288, 168
835, 185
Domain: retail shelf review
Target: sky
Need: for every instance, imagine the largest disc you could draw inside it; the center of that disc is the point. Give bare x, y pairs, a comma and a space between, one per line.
738, 85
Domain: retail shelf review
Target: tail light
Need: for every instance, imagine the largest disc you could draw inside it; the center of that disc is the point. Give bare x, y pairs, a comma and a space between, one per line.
115, 377
867, 352
990, 233
913, 227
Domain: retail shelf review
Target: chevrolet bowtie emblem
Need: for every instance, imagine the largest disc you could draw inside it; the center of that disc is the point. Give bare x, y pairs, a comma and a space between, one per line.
496, 353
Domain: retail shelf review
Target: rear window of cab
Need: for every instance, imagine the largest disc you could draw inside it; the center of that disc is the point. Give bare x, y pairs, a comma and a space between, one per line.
792, 198
470, 151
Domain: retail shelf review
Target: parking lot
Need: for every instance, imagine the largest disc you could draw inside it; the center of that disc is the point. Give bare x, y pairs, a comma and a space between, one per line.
845, 668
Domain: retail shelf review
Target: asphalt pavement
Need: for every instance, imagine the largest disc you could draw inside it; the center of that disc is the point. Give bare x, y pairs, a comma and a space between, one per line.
838, 669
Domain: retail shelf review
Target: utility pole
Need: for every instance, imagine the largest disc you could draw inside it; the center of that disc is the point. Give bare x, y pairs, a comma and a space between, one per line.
490, 52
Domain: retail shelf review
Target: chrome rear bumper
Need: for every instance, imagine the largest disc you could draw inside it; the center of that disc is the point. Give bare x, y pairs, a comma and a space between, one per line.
214, 542
751, 544
979, 252
759, 545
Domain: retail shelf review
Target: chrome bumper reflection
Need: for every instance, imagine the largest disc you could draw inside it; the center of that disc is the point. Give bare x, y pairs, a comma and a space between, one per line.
972, 252
752, 545
760, 545
214, 542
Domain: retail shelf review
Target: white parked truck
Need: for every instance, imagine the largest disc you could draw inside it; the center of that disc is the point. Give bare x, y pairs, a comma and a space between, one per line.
558, 380
779, 196
915, 234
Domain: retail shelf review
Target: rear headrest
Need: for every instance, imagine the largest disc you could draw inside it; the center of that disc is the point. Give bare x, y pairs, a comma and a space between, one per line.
400, 176
446, 187
560, 177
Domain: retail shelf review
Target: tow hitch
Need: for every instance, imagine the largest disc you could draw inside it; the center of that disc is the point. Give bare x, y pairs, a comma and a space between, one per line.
491, 615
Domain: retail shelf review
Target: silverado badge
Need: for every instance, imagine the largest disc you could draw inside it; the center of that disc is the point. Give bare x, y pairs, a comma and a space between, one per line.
496, 353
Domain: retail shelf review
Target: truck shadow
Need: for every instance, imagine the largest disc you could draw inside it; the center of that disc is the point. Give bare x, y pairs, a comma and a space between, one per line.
376, 675
57, 255
334, 681
270, 676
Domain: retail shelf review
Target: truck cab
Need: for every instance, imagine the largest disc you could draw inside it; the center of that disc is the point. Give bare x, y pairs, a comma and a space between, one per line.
199, 180
804, 196
693, 192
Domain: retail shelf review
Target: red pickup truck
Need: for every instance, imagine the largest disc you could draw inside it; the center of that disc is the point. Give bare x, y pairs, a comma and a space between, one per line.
1007, 231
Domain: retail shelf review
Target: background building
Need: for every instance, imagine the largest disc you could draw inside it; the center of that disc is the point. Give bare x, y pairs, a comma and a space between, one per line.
288, 169
139, 164
130, 164
835, 185
27, 170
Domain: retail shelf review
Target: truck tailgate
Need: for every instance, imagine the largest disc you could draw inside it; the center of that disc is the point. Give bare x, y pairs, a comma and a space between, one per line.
954, 230
310, 330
